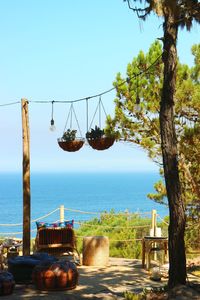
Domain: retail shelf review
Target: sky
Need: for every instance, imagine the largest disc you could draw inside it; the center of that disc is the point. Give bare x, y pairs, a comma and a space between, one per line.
65, 50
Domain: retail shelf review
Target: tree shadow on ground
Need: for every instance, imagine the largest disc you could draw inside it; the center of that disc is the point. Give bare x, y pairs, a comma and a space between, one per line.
97, 282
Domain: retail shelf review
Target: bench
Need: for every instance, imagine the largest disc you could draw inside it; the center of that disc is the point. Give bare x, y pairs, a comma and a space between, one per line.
56, 241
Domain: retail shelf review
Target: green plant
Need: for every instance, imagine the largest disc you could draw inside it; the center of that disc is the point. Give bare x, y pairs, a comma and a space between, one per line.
98, 133
132, 296
69, 135
123, 231
95, 133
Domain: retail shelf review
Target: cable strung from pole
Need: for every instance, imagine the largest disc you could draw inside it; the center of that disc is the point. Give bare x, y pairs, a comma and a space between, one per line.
102, 93
89, 97
11, 103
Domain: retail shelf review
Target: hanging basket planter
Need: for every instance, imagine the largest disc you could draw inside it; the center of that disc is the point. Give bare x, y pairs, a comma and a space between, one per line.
69, 142
98, 140
71, 146
102, 143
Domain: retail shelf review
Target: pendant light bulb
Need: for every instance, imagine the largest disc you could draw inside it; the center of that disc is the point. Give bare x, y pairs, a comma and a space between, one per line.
52, 127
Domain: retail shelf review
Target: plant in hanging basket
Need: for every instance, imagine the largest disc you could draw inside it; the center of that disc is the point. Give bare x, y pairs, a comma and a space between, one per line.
69, 142
99, 139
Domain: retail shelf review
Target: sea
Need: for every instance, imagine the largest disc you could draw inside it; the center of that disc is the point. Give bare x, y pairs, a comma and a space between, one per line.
84, 196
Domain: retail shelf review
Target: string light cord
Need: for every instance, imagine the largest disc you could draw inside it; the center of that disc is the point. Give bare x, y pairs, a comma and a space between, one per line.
11, 103
102, 93
93, 96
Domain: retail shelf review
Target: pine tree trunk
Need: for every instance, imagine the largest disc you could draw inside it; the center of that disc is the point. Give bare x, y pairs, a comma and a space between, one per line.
177, 259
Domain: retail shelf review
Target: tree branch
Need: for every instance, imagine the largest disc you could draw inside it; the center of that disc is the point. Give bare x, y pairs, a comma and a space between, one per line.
145, 10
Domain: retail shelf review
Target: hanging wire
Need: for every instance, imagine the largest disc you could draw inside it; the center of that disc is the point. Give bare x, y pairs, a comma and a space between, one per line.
52, 110
94, 115
77, 122
105, 92
104, 109
87, 111
68, 116
100, 112
52, 127
99, 106
71, 116
11, 103
93, 96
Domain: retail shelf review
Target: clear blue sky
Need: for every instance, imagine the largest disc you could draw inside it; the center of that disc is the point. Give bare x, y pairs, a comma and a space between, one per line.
63, 50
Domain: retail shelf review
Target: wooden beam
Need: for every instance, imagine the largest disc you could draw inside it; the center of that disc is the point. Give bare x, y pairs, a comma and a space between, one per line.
26, 177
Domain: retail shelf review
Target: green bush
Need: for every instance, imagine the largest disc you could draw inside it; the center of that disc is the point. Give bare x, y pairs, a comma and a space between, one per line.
119, 227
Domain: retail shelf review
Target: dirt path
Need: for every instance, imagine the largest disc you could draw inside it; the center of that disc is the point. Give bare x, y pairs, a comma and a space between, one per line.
106, 283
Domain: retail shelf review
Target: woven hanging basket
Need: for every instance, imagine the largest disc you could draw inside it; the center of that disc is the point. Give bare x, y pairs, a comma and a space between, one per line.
71, 146
101, 143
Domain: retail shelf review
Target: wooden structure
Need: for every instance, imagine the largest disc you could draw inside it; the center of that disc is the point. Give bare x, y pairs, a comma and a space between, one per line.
26, 178
152, 243
56, 241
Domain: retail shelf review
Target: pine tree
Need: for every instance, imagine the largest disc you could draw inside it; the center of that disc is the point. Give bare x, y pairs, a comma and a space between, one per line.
176, 13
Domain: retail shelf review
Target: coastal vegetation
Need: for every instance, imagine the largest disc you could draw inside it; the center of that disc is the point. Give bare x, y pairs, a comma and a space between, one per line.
125, 232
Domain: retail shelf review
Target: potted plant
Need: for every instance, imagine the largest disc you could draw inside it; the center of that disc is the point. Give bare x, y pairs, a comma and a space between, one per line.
100, 139
69, 142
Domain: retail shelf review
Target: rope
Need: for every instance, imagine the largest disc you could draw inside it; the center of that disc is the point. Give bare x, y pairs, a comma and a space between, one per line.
40, 218
82, 212
137, 213
7, 225
113, 240
108, 226
18, 232
128, 240
45, 215
82, 223
103, 212
163, 220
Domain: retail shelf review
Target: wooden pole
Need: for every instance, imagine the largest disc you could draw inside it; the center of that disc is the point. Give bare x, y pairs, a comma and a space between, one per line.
62, 213
26, 177
153, 221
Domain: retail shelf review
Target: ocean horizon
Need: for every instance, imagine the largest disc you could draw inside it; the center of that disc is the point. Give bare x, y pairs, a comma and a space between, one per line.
88, 192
